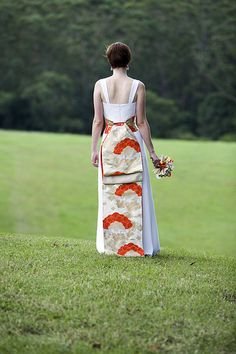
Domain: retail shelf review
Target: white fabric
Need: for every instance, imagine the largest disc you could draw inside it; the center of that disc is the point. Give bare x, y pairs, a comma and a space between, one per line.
104, 89
133, 90
151, 243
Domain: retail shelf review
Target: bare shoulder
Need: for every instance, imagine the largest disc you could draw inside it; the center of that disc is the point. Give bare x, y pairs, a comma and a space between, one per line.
97, 83
97, 86
141, 84
141, 88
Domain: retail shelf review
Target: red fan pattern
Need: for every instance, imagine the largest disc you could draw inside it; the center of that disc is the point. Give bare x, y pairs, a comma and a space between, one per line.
124, 143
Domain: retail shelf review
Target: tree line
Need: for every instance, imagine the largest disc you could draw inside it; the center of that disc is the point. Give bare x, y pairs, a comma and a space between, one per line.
52, 53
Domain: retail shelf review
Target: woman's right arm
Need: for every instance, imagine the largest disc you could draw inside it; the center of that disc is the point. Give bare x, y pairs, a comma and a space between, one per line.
142, 122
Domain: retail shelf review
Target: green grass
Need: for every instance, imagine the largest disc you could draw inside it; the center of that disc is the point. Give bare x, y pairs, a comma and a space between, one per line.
48, 186
61, 296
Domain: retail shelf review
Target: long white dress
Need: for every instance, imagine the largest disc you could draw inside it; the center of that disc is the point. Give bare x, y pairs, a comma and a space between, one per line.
150, 234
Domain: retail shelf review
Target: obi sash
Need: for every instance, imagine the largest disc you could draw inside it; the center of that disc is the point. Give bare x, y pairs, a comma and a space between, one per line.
121, 157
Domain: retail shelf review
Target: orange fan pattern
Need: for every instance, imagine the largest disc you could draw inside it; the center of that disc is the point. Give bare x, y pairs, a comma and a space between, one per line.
124, 143
117, 217
130, 247
124, 187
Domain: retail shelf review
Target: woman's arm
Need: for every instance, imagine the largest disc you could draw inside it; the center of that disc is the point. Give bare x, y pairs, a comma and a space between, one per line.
97, 124
142, 122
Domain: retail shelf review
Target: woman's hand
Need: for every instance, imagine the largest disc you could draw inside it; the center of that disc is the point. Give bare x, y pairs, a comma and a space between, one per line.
94, 158
155, 159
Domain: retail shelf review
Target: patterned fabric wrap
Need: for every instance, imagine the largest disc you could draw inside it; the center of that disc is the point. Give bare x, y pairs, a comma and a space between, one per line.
121, 163
120, 153
122, 223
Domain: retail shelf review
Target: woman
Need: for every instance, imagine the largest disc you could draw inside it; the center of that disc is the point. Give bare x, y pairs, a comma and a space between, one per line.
126, 224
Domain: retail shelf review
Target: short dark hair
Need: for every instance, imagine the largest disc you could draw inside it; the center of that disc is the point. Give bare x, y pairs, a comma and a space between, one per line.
118, 54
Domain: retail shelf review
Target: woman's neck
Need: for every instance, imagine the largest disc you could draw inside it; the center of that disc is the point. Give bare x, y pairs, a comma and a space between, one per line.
119, 72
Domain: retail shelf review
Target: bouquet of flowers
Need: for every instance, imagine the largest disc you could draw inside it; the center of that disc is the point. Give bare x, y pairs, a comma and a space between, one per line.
163, 167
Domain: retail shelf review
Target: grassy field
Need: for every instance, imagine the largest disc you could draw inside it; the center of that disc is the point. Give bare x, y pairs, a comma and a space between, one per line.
61, 296
48, 186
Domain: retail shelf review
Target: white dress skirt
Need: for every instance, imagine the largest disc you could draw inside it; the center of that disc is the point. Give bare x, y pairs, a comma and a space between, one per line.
150, 235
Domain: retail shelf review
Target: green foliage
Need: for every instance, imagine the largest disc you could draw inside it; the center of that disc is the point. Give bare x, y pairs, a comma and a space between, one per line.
6, 102
216, 116
183, 51
228, 137
50, 96
162, 114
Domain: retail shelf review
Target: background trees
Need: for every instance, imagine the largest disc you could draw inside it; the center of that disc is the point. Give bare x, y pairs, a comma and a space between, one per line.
52, 54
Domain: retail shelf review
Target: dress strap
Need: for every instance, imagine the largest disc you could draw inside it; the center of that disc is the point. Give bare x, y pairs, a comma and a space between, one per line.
104, 89
134, 87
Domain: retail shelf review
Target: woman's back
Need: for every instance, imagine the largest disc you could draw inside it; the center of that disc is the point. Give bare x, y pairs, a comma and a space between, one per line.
119, 90
119, 97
